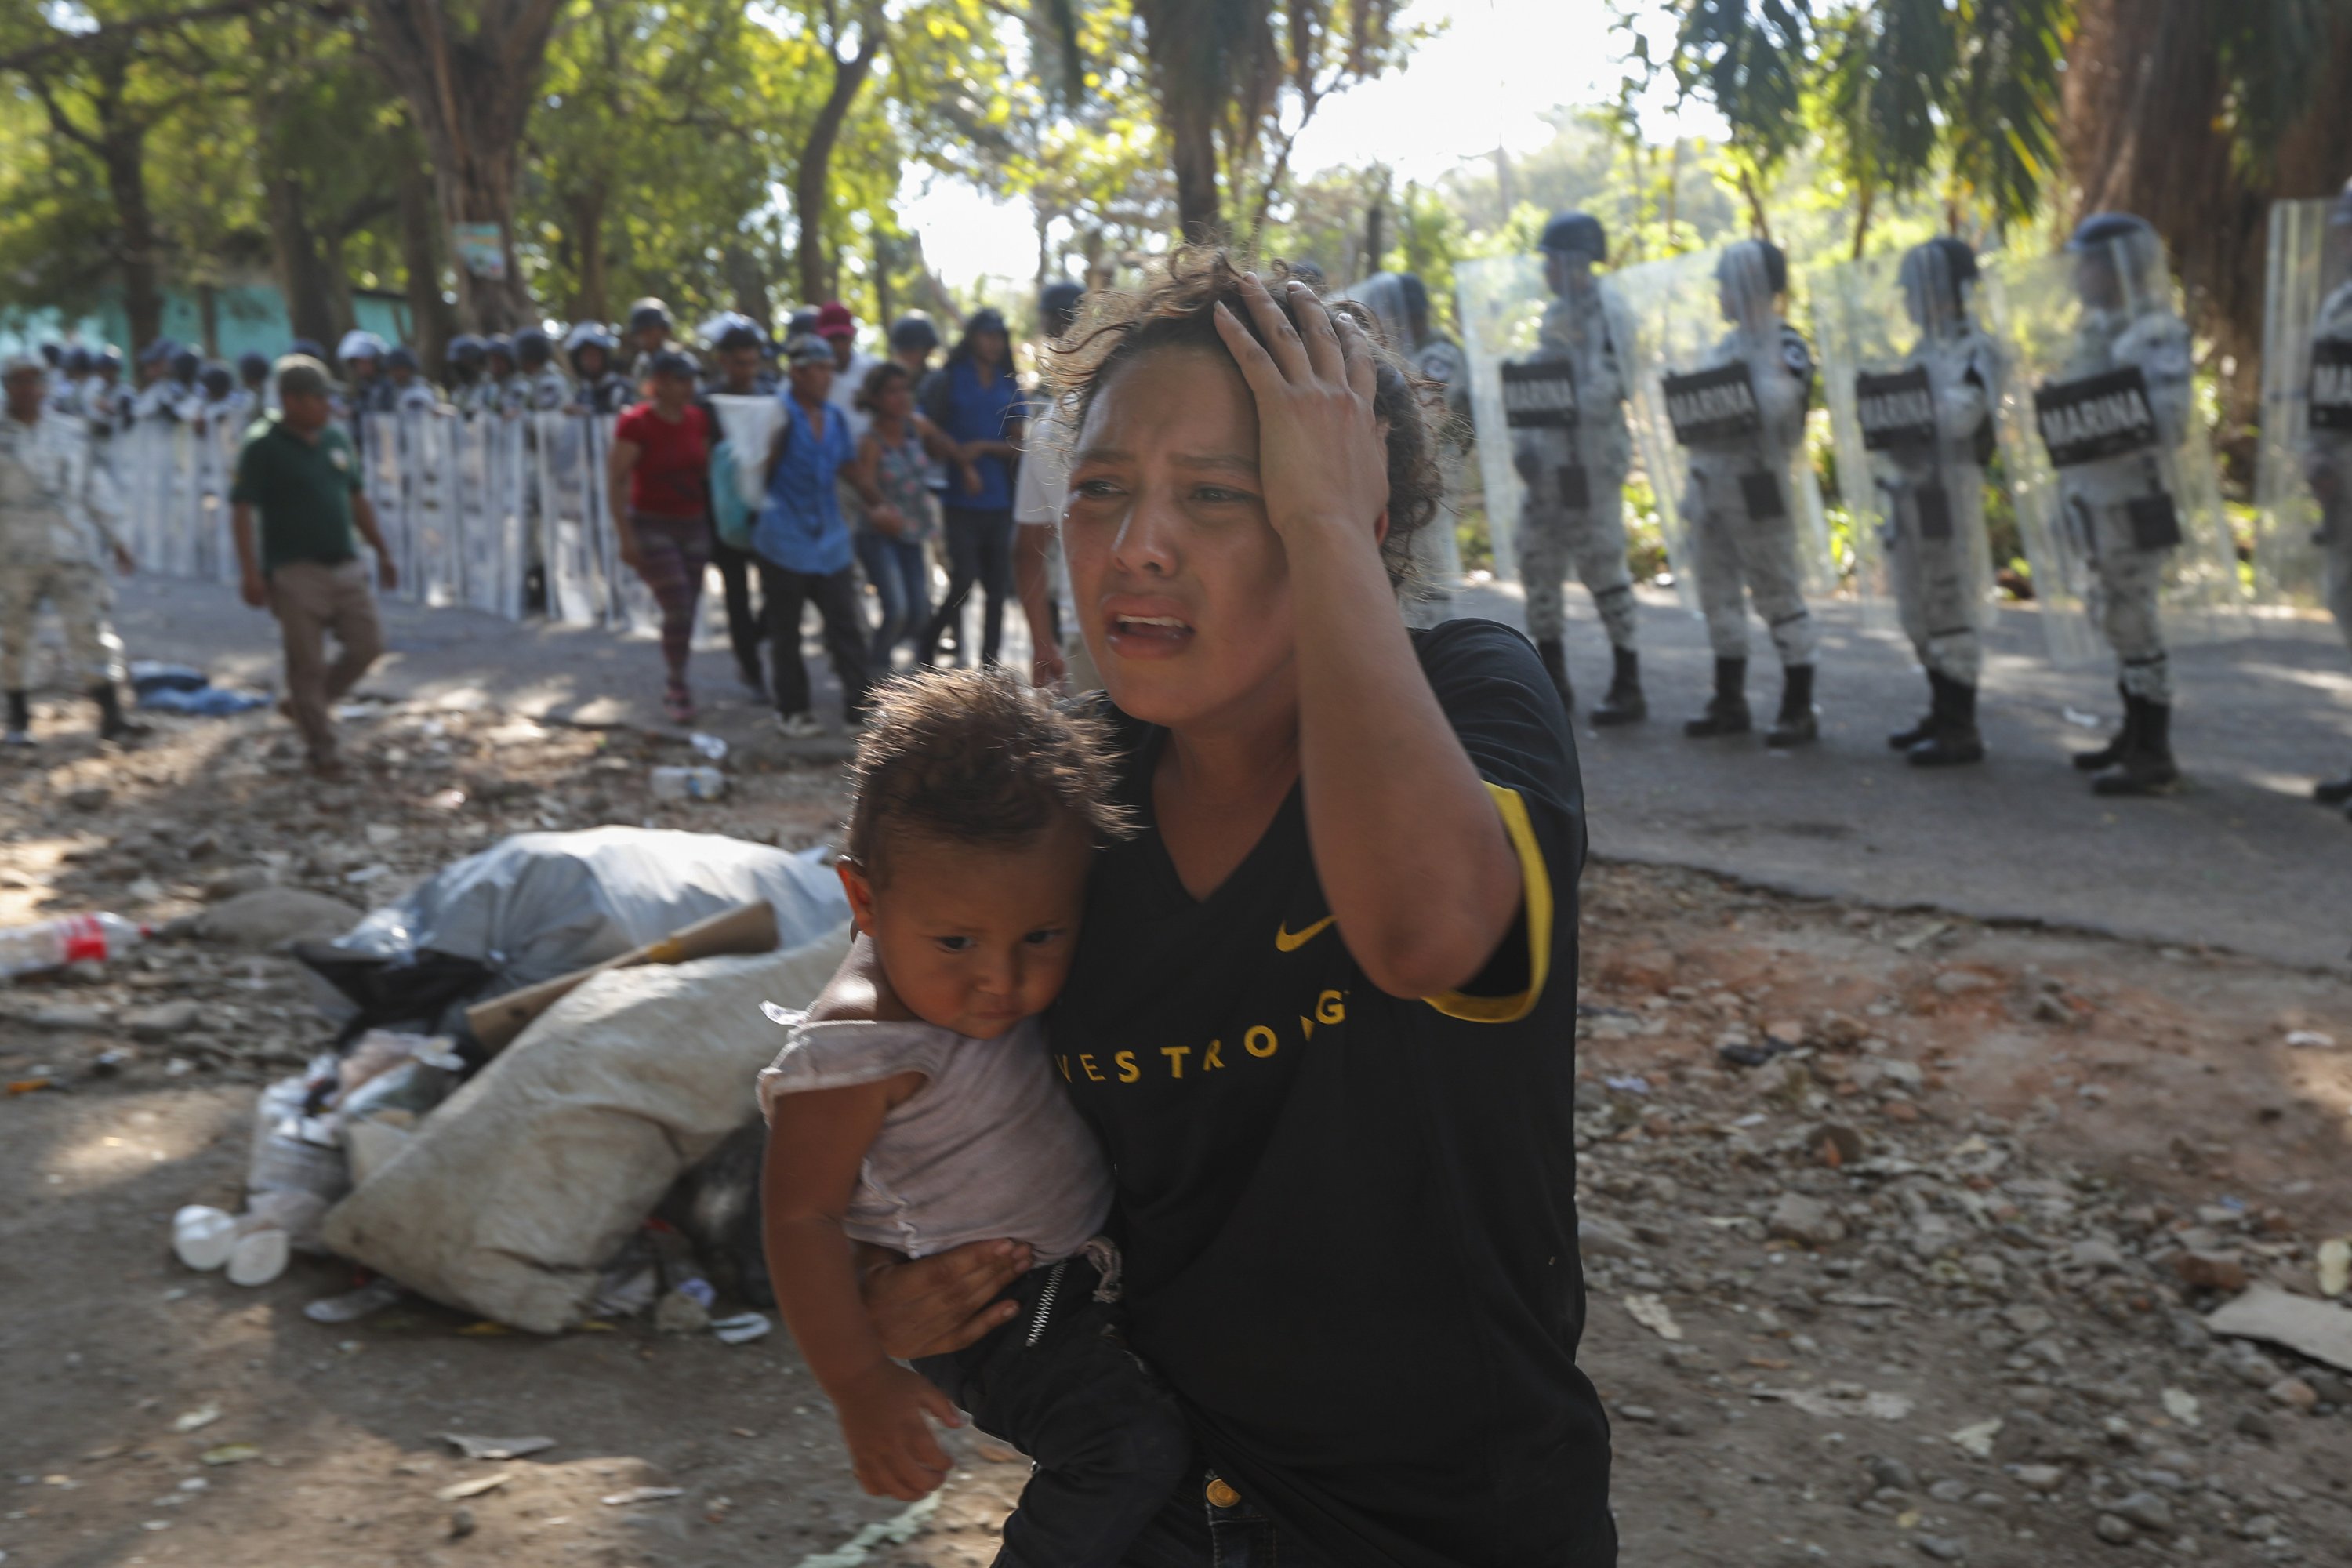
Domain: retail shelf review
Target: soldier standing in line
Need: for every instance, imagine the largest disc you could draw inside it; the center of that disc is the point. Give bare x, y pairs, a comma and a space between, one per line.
1565, 407
56, 535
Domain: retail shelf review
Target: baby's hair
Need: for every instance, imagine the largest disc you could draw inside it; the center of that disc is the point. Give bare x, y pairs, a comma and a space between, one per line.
976, 756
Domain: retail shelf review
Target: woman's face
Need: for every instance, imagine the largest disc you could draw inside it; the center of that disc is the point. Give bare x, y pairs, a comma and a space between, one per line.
898, 399
989, 347
1182, 586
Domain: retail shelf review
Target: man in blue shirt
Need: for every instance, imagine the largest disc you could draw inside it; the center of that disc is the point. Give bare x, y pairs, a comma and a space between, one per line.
804, 546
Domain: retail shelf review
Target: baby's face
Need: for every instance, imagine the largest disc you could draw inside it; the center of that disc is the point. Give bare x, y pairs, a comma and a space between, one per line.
975, 938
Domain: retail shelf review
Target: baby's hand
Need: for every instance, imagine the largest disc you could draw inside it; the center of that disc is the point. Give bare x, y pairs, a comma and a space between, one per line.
890, 1444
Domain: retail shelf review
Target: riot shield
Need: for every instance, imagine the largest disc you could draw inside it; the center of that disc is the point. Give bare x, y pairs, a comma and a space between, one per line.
1913, 383
1720, 388
1546, 389
575, 588
2305, 447
2102, 445
217, 450
381, 475
430, 440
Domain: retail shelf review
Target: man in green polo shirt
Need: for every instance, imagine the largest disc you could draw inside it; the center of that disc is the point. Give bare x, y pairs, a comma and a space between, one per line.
297, 468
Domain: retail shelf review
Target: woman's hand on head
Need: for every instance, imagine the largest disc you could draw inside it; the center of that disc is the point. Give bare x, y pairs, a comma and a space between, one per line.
1322, 461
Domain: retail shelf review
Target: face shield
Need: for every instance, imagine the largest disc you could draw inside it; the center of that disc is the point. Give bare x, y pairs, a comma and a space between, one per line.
2125, 272
1749, 287
1938, 279
1383, 294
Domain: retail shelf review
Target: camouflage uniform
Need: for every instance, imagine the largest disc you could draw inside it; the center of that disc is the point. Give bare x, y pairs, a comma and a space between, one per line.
57, 528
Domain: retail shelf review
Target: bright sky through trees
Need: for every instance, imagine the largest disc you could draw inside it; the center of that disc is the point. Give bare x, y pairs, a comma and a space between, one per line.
1485, 81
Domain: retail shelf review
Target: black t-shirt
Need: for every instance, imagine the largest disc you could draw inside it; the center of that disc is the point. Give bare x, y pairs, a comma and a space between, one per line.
1350, 1219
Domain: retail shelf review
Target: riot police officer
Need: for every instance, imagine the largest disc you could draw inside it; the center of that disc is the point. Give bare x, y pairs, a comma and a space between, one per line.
1930, 446
463, 361
365, 390
541, 386
411, 393
1564, 407
2116, 485
1742, 431
597, 386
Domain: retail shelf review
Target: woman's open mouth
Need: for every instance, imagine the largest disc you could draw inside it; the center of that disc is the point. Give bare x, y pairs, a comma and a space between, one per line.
1149, 635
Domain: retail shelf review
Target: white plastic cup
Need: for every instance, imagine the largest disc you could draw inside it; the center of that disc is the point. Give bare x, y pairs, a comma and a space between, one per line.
259, 1257
202, 1237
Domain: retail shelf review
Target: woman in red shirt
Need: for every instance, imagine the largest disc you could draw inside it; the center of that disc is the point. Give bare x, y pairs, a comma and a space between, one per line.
659, 479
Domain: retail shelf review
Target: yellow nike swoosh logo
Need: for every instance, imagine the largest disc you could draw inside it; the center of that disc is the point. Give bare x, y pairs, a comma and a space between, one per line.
1285, 942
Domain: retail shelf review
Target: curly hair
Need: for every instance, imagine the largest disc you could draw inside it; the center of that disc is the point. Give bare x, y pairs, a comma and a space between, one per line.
1175, 307
876, 384
976, 756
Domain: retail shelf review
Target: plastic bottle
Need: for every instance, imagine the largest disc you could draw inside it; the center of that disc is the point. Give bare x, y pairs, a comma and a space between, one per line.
76, 939
673, 783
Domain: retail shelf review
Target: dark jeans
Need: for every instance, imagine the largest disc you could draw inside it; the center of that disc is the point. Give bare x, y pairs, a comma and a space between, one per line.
744, 631
837, 605
900, 571
1059, 1384
980, 550
1190, 1531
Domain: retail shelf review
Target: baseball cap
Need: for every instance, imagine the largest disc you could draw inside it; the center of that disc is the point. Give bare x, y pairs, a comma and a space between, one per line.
833, 321
807, 348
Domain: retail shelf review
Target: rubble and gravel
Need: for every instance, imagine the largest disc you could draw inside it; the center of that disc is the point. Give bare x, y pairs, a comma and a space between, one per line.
1937, 1265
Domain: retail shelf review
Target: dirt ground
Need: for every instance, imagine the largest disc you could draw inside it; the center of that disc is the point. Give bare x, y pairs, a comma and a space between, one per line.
1924, 1281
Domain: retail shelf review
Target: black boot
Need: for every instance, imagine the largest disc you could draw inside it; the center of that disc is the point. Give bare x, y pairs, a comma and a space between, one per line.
1795, 725
111, 724
2333, 792
1904, 740
1555, 663
2148, 768
1726, 714
1625, 704
2111, 753
1952, 739
19, 731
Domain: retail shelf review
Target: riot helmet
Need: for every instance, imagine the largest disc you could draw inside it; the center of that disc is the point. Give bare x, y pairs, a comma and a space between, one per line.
648, 315
359, 345
309, 348
732, 331
77, 361
464, 355
1938, 278
158, 353
1576, 234
914, 330
53, 353
218, 380
1750, 277
533, 348
802, 323
400, 356
589, 337
185, 364
499, 346
2118, 262
1382, 296
253, 367
1058, 306
107, 362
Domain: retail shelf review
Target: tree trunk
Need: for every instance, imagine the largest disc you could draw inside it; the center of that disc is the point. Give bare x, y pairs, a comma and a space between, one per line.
1862, 219
470, 95
208, 318
810, 180
592, 302
420, 252
126, 181
2143, 130
339, 286
1172, 31
309, 308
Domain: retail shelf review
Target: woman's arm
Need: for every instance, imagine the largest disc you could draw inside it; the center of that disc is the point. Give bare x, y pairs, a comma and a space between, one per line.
618, 465
1410, 849
816, 1141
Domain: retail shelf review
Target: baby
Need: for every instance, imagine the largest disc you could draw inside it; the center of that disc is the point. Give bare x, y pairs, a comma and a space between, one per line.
940, 1120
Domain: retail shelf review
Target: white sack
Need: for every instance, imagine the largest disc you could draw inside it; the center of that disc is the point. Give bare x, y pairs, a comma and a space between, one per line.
522, 1184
